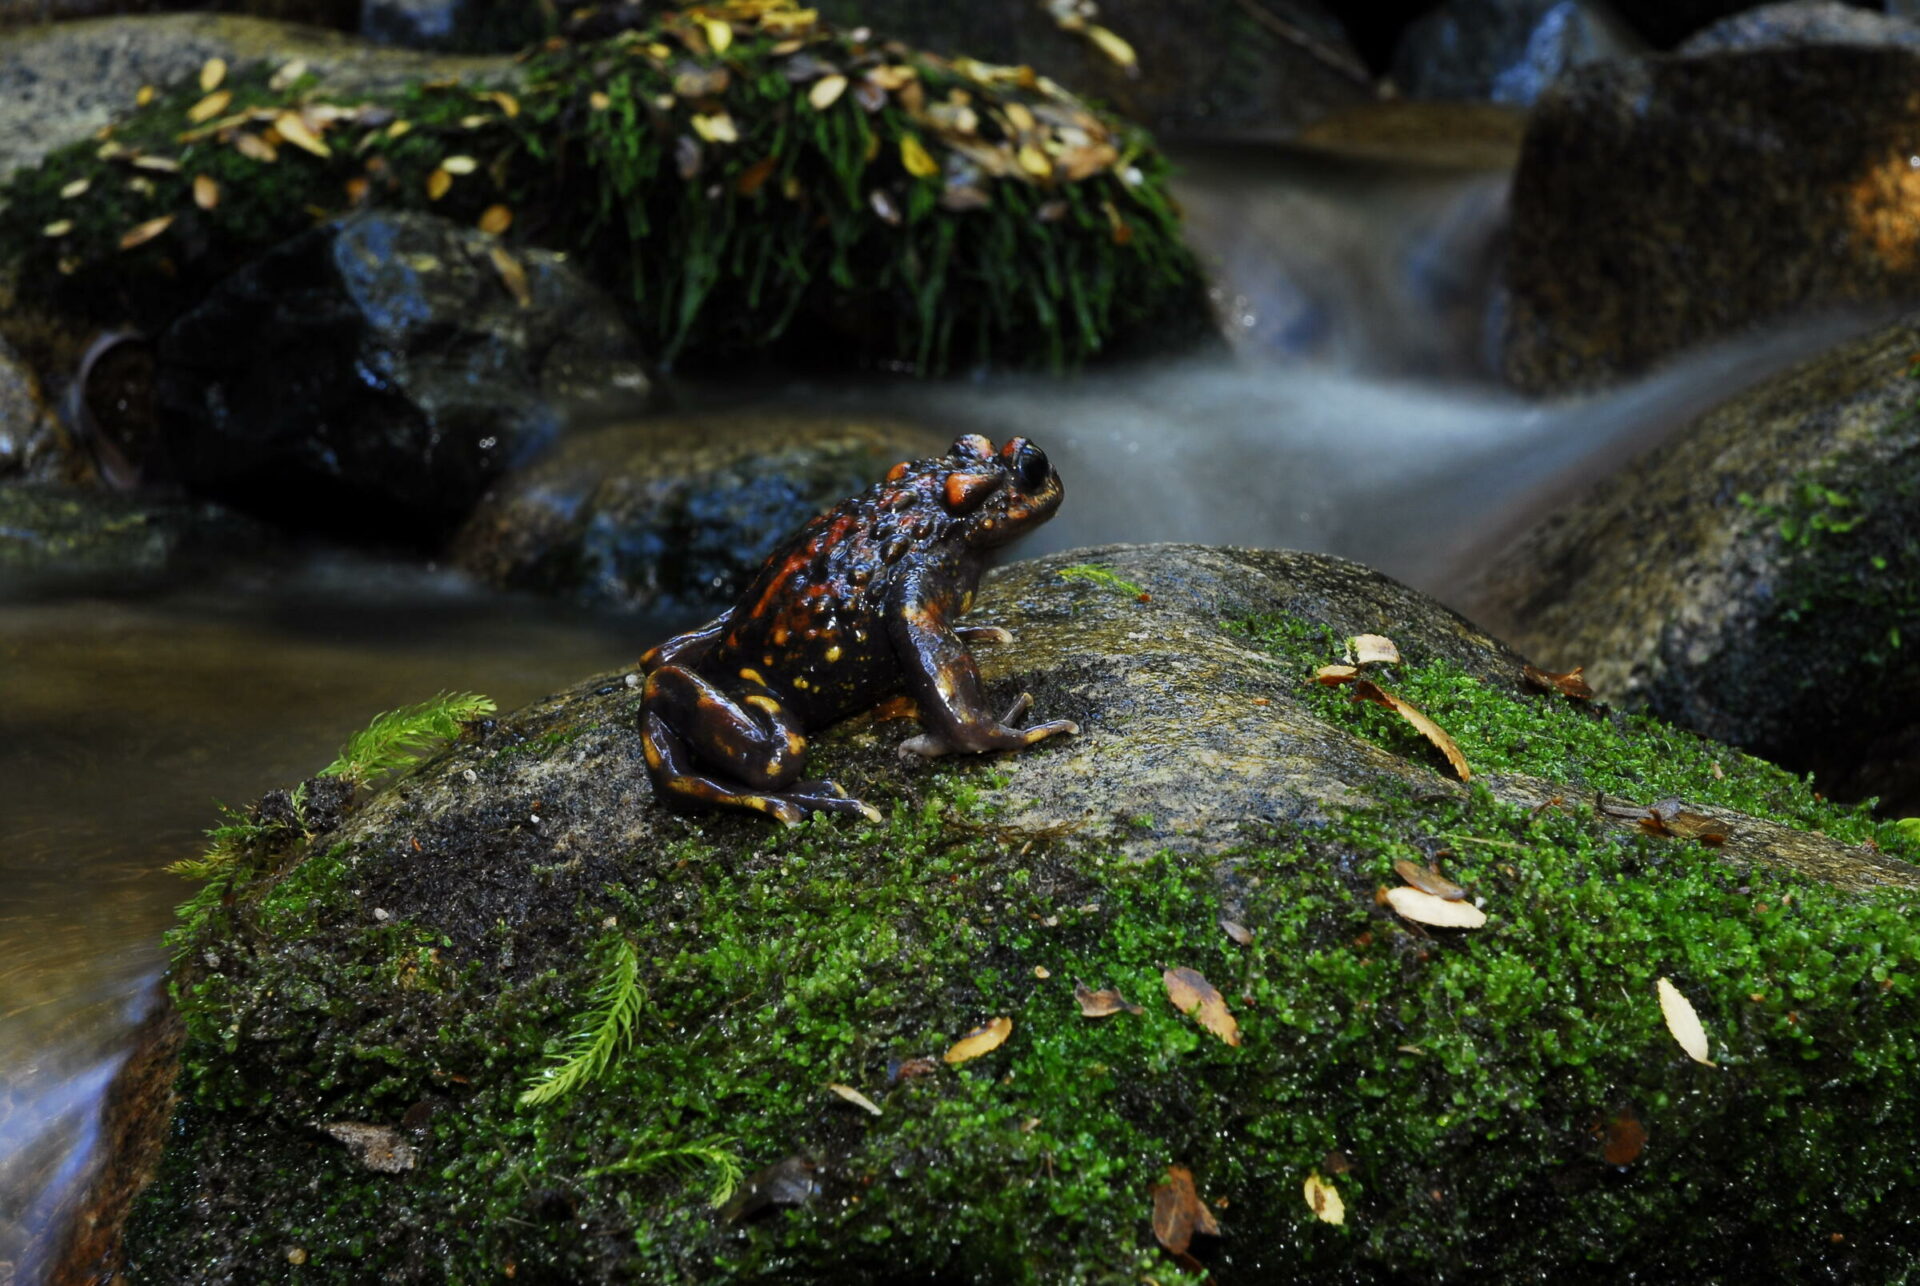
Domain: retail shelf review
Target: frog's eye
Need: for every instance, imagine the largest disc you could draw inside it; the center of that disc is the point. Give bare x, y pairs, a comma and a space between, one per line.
974, 445
1030, 467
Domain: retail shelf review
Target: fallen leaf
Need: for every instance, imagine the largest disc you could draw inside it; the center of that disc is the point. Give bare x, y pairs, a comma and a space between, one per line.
206, 191
512, 275
459, 165
598, 101
288, 73
1673, 817
209, 107
1335, 675
892, 75
716, 127
356, 189
1372, 649
212, 72
1102, 1003
399, 128
1683, 1023
141, 233
58, 228
438, 184
1020, 118
1237, 931
855, 1097
884, 205
294, 130
1034, 161
1428, 880
1568, 684
377, 1147
1324, 1200
1425, 908
907, 1069
144, 96
826, 91
495, 219
255, 148
1117, 49
1367, 690
157, 164
913, 155
1178, 1212
981, 1040
1625, 1138
76, 188
1192, 994
507, 103
719, 34
754, 177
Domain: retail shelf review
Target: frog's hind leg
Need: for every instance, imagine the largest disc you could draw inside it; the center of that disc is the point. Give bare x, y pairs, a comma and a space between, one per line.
753, 739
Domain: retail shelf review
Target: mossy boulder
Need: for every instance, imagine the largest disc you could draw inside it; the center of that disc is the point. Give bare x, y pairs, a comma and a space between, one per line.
52, 534
373, 376
1622, 250
747, 180
366, 1000
675, 512
1757, 578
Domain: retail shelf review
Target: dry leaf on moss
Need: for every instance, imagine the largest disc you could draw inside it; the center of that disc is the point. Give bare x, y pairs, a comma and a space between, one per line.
826, 91
1424, 908
1568, 684
1192, 994
1178, 1212
212, 72
1324, 1200
293, 128
1428, 880
141, 233
1102, 1003
206, 191
855, 1097
1335, 675
981, 1040
1372, 649
512, 275
209, 107
1683, 1022
1367, 690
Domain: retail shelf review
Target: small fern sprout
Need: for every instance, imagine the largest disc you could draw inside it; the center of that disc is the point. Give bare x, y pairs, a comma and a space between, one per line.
604, 1031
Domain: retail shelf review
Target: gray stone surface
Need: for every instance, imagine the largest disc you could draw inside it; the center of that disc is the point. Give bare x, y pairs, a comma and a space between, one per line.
1802, 22
1505, 51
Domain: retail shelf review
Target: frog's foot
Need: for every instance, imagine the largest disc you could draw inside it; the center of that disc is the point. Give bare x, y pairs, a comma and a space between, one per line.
1004, 736
680, 780
824, 796
984, 634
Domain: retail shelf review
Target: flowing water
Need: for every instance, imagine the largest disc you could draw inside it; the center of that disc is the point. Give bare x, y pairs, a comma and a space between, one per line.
1357, 417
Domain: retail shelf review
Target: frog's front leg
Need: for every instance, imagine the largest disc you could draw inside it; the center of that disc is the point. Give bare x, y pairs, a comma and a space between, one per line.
688, 648
944, 680
750, 747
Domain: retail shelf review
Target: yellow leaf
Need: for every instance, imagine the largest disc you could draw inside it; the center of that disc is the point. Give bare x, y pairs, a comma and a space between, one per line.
206, 192
716, 128
1372, 649
141, 233
981, 1040
144, 97
58, 228
398, 128
1442, 913
158, 164
1192, 994
1324, 1201
212, 72
506, 102
1019, 117
855, 1097
1367, 690
437, 184
1683, 1022
914, 156
1117, 49
826, 91
512, 275
719, 34
1334, 675
75, 188
495, 219
1034, 161
209, 107
459, 165
287, 74
255, 148
294, 130
599, 101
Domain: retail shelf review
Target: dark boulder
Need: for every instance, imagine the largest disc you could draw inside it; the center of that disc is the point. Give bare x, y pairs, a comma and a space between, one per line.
1505, 51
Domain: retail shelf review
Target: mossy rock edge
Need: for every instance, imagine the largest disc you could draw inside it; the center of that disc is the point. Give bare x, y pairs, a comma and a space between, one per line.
413, 967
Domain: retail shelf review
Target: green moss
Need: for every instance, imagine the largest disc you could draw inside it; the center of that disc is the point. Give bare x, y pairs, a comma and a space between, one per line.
728, 207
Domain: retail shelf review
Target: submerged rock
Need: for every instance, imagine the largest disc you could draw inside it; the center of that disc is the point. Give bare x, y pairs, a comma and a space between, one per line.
372, 377
1757, 578
1665, 202
751, 996
55, 535
674, 512
1506, 51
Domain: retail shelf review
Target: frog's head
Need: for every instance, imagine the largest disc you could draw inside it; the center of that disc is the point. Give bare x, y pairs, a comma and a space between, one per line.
998, 496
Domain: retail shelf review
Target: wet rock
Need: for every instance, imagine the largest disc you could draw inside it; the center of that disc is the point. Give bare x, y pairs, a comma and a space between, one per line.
1450, 135
374, 376
1755, 578
66, 80
32, 443
1664, 202
1221, 66
51, 534
1506, 51
676, 511
470, 25
1802, 22
445, 938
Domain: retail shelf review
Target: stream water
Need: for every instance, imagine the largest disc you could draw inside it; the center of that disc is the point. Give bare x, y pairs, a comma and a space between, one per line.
1357, 418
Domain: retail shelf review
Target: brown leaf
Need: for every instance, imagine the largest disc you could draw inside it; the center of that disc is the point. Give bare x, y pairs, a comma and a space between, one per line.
755, 176
1373, 649
855, 1097
907, 1069
1428, 880
206, 191
1367, 690
1424, 908
255, 148
1324, 1200
512, 275
438, 184
141, 233
1237, 931
495, 219
1192, 994
981, 1040
1568, 684
1333, 676
1102, 1003
1178, 1212
1673, 817
1625, 1138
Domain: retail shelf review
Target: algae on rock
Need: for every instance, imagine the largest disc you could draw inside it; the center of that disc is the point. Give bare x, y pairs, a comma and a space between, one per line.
430, 950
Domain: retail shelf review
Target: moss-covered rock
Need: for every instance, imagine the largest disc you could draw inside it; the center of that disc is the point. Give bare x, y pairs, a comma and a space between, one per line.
675, 512
744, 177
366, 1000
53, 533
1757, 578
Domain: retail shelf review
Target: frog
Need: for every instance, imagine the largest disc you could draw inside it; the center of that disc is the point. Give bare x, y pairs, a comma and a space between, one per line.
855, 607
